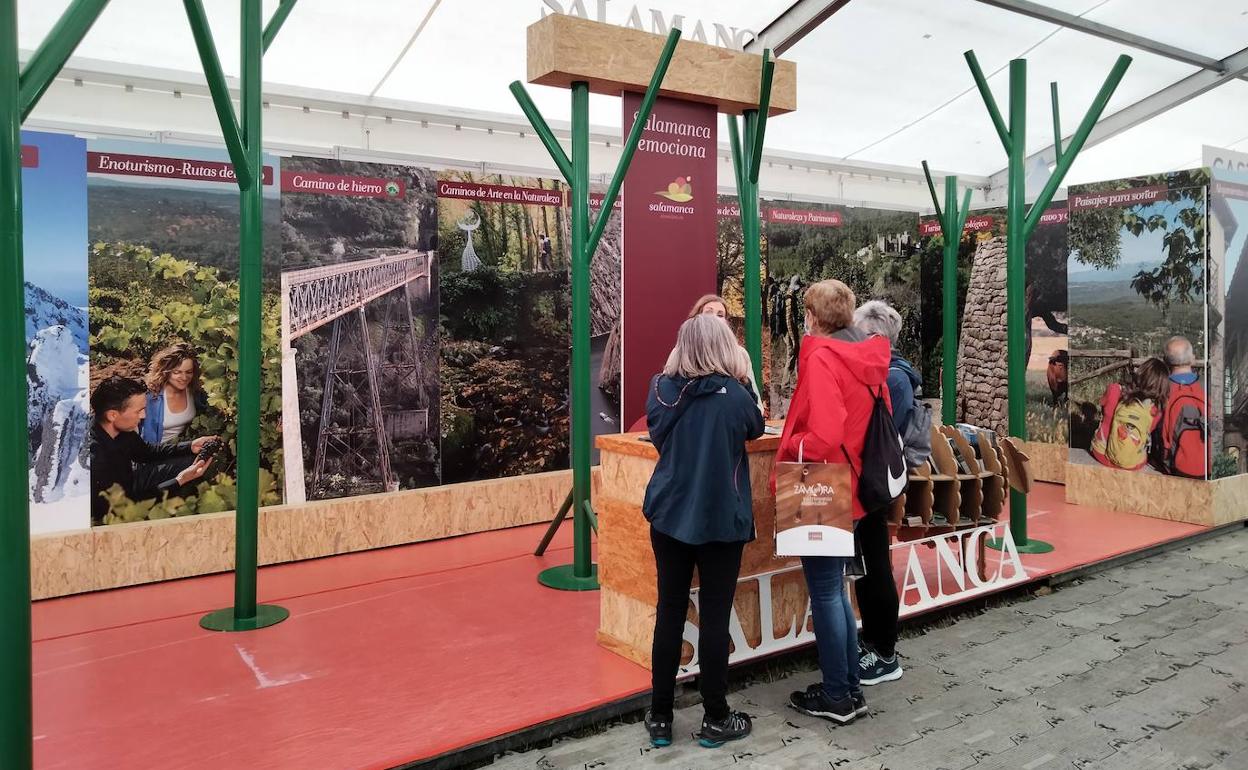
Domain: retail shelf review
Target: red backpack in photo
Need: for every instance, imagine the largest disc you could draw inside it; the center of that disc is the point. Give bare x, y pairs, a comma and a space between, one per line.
1184, 431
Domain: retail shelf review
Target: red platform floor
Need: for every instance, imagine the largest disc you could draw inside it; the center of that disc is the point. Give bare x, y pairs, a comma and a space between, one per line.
389, 656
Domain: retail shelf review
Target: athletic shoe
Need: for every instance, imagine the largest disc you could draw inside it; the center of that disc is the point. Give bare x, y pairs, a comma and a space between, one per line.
860, 703
814, 701
660, 730
857, 696
874, 669
717, 732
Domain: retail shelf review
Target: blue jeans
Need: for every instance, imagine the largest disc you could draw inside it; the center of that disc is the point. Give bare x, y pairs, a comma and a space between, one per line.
836, 630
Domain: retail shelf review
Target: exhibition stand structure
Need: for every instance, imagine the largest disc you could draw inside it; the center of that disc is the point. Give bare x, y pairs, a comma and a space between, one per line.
425, 630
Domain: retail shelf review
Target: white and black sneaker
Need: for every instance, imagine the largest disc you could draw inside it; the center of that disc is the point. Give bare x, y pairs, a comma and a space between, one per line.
717, 732
814, 702
875, 669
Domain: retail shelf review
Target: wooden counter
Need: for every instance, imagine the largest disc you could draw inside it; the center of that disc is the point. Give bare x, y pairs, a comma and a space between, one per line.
772, 611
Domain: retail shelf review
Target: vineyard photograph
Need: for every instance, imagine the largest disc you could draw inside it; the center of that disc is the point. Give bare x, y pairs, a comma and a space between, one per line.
162, 265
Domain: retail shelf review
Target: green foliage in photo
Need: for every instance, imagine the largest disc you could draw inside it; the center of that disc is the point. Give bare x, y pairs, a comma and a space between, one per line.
140, 302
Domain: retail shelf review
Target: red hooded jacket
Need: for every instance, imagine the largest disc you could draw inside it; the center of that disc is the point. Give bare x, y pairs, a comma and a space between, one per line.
832, 404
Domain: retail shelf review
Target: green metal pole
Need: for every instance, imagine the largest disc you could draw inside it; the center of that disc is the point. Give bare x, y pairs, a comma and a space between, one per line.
750, 231
246, 615
220, 92
582, 566
275, 23
949, 297
1015, 290
582, 574
16, 726
56, 49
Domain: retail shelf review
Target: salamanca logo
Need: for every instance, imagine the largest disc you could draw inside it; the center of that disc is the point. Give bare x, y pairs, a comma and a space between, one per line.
660, 23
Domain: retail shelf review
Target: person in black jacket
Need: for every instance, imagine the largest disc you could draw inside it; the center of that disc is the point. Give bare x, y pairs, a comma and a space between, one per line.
700, 414
119, 456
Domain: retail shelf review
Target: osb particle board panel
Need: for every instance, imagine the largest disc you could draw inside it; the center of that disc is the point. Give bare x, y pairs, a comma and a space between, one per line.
1147, 494
1048, 461
626, 559
1230, 499
151, 551
563, 49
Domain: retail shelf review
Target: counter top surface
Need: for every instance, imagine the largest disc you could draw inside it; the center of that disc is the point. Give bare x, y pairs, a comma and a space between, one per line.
631, 443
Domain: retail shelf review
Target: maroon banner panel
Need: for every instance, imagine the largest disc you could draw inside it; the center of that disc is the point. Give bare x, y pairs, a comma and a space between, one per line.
496, 193
1055, 216
809, 217
30, 156
973, 225
1119, 198
670, 235
347, 186
120, 164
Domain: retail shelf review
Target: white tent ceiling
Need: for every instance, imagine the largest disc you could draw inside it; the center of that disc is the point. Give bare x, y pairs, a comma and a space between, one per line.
881, 81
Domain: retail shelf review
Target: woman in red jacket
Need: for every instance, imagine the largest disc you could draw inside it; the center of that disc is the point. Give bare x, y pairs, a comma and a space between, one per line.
839, 369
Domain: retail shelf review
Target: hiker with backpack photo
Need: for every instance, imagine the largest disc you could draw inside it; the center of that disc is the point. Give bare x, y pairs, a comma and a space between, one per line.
1131, 413
1157, 419
840, 414
1182, 448
878, 602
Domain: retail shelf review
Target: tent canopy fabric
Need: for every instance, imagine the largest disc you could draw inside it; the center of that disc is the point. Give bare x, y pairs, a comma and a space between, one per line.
880, 81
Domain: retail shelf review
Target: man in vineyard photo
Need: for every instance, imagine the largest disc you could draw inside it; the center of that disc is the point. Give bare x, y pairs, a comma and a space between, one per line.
120, 457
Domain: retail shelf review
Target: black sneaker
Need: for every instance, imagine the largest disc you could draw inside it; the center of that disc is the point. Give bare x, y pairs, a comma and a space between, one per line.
860, 703
660, 730
716, 733
814, 701
875, 669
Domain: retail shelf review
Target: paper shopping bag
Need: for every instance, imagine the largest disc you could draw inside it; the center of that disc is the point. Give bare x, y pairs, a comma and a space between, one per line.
814, 509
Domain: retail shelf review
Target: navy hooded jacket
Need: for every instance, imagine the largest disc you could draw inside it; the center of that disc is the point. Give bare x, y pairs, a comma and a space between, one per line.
903, 384
700, 490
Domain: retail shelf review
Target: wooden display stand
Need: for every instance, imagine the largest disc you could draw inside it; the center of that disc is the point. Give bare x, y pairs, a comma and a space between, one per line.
945, 495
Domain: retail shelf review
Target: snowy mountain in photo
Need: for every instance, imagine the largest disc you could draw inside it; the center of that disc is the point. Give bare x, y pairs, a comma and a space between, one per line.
44, 310
57, 417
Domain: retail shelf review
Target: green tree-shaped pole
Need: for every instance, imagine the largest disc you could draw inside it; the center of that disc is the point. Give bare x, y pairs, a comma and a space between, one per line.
244, 144
746, 161
582, 574
1020, 224
20, 90
952, 221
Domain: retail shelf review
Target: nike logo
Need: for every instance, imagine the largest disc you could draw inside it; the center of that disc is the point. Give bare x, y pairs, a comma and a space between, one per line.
897, 483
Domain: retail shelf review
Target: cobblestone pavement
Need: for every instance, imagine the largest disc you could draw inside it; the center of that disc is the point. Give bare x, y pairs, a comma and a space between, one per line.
1142, 666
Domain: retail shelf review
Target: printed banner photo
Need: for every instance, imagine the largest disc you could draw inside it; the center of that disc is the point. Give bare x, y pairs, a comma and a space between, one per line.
1144, 369
1228, 307
873, 251
670, 235
360, 332
983, 387
506, 332
163, 308
606, 284
54, 230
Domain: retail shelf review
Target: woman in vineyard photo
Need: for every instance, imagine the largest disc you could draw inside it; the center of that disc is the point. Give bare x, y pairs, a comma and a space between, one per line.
175, 394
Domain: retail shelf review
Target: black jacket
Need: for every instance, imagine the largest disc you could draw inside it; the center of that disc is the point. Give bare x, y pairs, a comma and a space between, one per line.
700, 491
113, 461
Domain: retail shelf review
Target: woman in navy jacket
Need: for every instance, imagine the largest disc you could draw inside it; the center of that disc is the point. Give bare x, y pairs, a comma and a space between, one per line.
700, 414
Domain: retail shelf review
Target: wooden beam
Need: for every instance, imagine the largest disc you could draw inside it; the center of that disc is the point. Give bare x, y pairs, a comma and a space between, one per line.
565, 49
